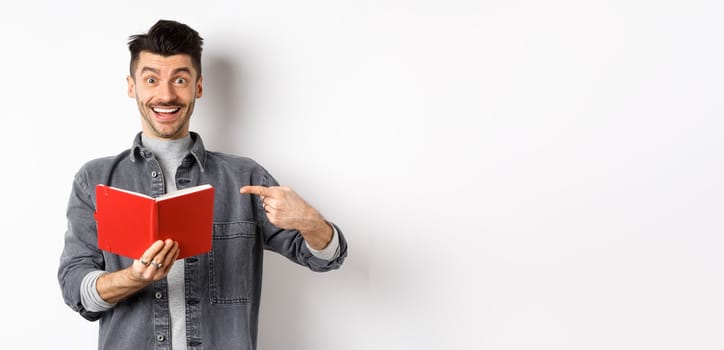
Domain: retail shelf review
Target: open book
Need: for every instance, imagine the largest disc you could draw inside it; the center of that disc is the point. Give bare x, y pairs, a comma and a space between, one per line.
129, 222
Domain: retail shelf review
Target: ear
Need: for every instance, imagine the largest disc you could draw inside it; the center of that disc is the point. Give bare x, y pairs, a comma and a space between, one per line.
131, 86
200, 87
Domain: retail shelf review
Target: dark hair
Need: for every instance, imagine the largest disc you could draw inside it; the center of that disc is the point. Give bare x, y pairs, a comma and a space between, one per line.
167, 38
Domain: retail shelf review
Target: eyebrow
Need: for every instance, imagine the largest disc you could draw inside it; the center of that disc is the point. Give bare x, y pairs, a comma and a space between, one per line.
175, 71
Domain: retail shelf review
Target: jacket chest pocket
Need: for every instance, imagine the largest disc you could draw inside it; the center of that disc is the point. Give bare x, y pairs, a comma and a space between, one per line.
234, 263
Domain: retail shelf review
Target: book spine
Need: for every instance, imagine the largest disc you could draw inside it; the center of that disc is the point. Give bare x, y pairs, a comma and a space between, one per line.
154, 222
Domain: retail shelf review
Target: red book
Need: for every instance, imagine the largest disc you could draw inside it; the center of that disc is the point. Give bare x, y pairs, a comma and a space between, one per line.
129, 222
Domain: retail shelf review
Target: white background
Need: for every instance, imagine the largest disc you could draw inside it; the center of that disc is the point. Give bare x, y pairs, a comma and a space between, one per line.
509, 174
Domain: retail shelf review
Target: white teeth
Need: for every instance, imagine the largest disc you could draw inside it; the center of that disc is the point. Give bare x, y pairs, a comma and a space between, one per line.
165, 110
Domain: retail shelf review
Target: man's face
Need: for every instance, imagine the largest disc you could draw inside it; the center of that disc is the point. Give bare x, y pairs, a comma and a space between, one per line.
165, 89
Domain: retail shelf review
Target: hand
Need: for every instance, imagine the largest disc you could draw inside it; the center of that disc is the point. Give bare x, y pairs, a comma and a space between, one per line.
156, 261
287, 210
153, 266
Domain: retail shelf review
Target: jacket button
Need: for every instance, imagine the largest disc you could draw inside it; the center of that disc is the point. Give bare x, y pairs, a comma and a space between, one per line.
158, 295
154, 174
160, 337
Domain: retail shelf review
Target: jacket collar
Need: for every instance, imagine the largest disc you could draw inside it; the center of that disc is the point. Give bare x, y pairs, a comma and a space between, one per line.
198, 151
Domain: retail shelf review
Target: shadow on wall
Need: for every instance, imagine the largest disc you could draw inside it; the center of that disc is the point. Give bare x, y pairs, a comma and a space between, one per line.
221, 125
290, 292
223, 102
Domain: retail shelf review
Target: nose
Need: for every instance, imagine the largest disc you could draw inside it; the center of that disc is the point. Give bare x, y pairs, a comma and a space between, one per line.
166, 92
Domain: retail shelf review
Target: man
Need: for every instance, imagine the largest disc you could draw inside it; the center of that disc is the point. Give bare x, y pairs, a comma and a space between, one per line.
208, 301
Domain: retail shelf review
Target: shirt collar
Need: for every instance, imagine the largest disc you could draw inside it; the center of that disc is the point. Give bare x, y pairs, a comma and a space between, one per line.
198, 151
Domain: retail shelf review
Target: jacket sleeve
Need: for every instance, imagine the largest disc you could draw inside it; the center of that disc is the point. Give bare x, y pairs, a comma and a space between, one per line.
80, 254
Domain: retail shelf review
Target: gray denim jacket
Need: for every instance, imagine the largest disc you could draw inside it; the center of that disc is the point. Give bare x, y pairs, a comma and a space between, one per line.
223, 287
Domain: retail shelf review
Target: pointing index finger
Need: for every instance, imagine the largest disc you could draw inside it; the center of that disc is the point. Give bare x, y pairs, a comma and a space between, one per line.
257, 190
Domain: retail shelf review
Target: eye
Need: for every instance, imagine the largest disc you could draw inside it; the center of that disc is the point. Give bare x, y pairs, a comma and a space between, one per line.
150, 80
180, 80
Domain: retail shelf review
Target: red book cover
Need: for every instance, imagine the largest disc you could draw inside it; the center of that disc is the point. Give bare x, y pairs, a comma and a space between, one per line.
129, 222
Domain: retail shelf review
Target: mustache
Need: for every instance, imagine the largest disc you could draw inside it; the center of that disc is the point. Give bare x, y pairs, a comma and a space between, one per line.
172, 103
166, 104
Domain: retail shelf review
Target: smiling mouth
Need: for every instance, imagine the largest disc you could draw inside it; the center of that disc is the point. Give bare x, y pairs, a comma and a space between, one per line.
166, 110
